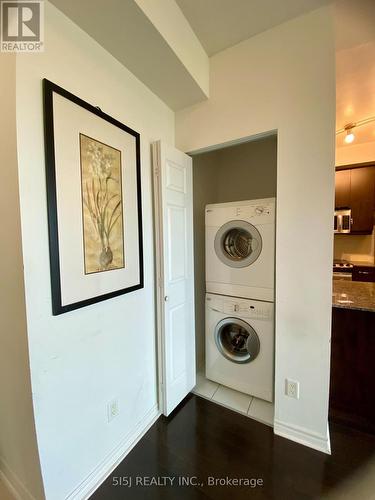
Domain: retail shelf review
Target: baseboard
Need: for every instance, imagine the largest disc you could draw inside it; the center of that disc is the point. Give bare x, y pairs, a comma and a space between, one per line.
329, 440
303, 436
13, 483
87, 487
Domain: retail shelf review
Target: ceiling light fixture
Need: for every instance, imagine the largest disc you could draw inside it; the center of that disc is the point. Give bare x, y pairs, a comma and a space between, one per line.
349, 138
348, 129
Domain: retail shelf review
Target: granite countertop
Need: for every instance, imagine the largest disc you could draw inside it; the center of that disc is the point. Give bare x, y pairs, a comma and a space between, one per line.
361, 263
353, 295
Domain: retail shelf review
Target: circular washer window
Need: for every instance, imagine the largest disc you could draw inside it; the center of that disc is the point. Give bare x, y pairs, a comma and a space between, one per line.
237, 340
238, 243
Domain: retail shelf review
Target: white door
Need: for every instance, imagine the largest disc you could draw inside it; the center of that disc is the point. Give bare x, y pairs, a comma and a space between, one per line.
175, 272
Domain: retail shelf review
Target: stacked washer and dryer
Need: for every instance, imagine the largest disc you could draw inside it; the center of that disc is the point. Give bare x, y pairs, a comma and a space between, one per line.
240, 256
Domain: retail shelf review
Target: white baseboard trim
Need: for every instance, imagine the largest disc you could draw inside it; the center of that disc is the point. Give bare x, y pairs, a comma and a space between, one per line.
328, 441
13, 483
87, 487
303, 436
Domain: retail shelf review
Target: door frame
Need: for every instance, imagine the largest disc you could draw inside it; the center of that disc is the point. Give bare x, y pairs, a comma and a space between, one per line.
159, 250
159, 273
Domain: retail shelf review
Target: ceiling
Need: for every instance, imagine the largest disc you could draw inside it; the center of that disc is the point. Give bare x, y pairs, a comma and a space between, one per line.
135, 38
355, 67
220, 24
355, 90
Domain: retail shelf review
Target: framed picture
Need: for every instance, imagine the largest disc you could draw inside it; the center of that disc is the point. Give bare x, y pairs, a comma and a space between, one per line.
94, 202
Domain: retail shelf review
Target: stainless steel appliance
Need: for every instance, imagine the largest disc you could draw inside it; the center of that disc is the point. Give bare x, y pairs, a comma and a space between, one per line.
343, 221
342, 270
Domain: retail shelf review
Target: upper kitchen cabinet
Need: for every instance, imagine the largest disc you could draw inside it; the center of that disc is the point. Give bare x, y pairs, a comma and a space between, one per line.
362, 200
355, 189
342, 189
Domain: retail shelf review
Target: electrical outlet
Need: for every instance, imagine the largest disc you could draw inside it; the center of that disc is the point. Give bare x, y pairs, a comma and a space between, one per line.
112, 409
292, 388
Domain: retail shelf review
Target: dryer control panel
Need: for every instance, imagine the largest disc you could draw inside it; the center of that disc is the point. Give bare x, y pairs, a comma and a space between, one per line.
244, 308
247, 212
255, 211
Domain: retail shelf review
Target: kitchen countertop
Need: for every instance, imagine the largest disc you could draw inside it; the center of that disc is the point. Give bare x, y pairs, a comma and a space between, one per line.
353, 295
361, 263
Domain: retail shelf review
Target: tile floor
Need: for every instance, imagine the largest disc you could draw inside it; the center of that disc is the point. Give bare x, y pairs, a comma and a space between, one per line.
242, 403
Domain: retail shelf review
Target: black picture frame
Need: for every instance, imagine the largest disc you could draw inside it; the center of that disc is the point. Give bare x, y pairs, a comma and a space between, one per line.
49, 88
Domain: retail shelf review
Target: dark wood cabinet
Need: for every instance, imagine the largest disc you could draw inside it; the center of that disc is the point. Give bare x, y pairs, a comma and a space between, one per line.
352, 388
355, 189
342, 189
364, 273
362, 198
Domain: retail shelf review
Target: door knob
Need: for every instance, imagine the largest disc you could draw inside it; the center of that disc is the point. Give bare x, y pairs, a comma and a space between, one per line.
166, 298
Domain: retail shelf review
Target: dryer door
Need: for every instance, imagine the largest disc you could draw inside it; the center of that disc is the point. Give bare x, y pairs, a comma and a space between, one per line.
238, 243
237, 340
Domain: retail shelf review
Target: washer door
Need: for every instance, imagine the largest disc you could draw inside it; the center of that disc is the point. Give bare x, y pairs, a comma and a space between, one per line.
238, 243
237, 340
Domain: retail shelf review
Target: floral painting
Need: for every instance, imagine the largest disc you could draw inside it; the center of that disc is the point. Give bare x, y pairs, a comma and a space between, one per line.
102, 206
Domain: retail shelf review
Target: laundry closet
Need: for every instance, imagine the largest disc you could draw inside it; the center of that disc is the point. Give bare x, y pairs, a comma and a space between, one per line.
215, 217
234, 207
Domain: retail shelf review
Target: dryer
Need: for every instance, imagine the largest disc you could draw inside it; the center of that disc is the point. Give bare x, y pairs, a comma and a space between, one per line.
240, 249
240, 344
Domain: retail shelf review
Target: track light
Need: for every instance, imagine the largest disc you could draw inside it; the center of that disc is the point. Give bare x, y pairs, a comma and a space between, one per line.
349, 138
348, 128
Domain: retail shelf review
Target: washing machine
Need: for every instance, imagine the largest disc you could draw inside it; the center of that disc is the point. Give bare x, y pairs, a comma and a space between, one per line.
240, 249
240, 344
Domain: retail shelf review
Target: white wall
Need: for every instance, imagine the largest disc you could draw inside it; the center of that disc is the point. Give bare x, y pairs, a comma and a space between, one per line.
284, 79
83, 359
19, 460
355, 153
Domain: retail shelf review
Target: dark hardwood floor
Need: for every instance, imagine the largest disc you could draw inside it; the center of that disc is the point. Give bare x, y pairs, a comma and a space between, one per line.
202, 440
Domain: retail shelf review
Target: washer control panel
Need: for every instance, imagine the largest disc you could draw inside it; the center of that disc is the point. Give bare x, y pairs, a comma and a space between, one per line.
243, 308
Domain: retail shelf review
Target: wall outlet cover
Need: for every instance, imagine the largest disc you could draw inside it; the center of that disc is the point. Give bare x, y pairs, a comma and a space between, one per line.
292, 388
112, 409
